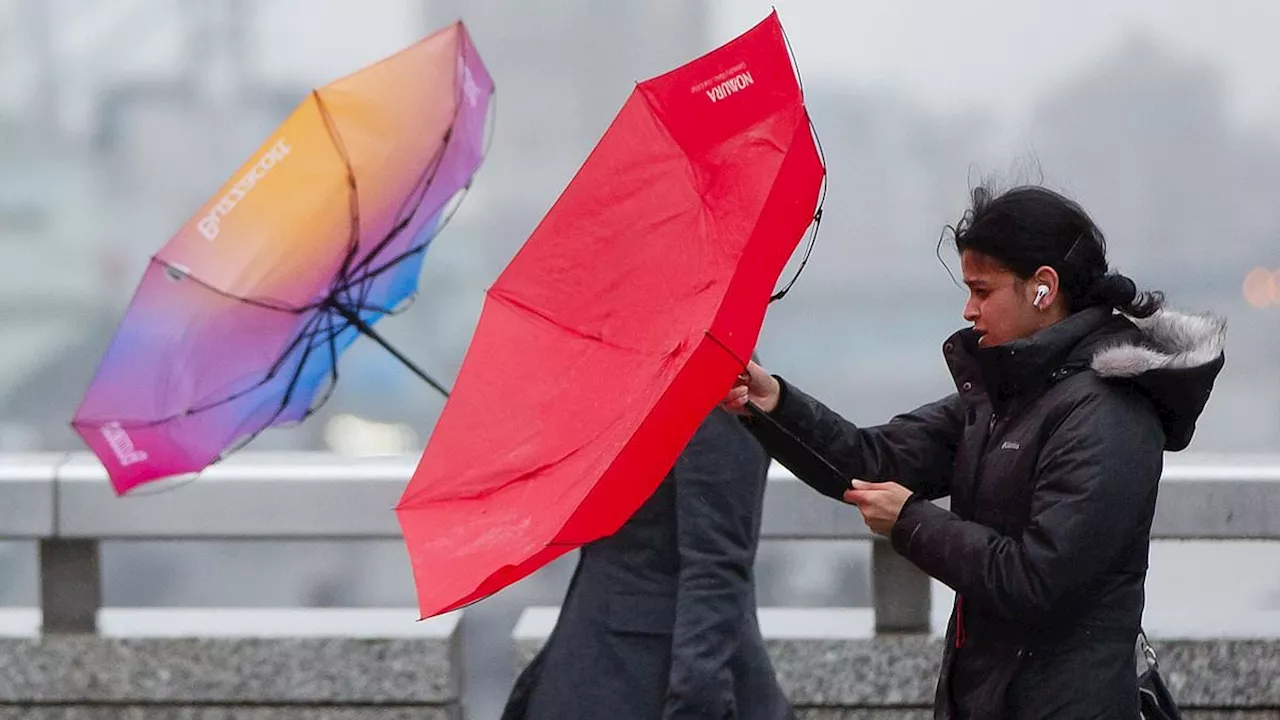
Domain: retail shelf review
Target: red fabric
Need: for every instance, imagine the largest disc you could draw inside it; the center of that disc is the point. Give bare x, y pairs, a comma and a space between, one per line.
619, 325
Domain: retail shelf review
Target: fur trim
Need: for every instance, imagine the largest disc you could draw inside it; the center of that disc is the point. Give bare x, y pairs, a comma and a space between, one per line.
1171, 340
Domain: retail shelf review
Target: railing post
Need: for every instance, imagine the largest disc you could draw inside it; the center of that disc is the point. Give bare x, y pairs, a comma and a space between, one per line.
900, 592
70, 585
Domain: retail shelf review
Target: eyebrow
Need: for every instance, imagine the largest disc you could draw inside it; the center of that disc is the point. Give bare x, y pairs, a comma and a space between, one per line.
976, 282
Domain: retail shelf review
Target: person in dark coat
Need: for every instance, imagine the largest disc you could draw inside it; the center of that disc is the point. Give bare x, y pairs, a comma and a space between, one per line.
1050, 450
660, 618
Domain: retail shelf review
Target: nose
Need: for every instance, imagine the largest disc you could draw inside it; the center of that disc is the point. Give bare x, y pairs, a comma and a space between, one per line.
971, 311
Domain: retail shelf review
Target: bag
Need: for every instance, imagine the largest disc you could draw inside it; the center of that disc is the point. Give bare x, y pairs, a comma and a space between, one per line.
1155, 700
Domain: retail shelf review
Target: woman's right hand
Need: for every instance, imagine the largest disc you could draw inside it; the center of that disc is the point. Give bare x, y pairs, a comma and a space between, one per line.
756, 386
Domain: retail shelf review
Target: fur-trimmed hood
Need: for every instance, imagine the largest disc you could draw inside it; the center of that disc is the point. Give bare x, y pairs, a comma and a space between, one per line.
1175, 358
1170, 341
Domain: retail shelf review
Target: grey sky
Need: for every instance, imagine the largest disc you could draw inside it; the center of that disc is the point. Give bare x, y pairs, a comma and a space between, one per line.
996, 55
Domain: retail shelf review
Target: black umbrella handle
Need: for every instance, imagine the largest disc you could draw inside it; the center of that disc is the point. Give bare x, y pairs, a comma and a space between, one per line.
367, 330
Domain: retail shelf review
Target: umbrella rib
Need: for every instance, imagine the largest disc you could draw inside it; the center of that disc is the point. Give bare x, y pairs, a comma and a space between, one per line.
329, 343
523, 477
333, 366
389, 265
368, 273
303, 334
514, 302
264, 304
424, 181
284, 403
725, 347
822, 199
293, 381
372, 273
419, 192
341, 302
353, 194
822, 158
368, 259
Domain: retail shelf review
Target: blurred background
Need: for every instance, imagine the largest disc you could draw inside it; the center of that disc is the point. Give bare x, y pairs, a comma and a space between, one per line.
119, 118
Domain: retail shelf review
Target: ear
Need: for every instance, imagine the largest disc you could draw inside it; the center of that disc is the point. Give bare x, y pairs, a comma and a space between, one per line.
1047, 277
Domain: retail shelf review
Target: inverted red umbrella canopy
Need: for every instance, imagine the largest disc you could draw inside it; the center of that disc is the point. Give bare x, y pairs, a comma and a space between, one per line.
619, 325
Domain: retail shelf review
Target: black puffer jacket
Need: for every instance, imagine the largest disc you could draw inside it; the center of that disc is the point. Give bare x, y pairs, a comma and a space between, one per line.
1051, 452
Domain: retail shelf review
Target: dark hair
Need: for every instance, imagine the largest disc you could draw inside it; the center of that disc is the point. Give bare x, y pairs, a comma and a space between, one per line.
1030, 226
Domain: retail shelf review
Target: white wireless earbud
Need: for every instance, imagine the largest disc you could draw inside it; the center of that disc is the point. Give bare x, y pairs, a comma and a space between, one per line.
1041, 291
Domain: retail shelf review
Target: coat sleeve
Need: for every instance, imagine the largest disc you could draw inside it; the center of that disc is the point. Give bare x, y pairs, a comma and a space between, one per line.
916, 449
718, 481
1095, 486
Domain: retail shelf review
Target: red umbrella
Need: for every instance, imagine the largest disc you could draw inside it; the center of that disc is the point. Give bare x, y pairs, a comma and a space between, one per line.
619, 325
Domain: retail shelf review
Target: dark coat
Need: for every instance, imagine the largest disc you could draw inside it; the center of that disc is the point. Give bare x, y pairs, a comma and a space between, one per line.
1051, 453
660, 618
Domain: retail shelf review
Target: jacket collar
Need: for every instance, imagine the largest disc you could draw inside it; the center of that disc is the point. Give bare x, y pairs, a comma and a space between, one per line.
1022, 367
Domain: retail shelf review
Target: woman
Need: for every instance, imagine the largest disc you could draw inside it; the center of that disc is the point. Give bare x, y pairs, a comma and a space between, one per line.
1050, 451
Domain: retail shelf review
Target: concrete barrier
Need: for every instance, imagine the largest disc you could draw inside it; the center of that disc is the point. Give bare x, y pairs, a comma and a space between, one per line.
271, 664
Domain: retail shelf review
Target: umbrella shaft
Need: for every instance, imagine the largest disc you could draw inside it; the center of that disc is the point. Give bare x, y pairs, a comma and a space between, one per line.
365, 329
814, 455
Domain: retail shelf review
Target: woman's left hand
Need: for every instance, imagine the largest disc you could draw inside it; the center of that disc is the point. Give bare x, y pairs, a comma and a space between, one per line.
879, 502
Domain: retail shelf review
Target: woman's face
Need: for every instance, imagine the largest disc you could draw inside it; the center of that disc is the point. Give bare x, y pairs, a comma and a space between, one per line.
1000, 304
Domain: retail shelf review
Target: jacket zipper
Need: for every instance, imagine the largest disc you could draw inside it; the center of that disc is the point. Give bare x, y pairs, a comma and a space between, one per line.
977, 479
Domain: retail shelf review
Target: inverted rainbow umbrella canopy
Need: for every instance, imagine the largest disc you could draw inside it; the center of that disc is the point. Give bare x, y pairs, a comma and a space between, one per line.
240, 318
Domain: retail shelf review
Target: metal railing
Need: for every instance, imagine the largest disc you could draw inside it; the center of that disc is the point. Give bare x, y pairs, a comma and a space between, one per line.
65, 503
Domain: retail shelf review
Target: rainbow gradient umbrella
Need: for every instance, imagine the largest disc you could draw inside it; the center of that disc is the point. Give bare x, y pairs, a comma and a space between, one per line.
240, 318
